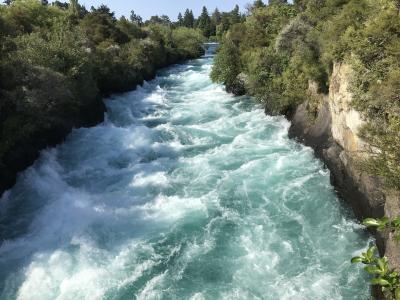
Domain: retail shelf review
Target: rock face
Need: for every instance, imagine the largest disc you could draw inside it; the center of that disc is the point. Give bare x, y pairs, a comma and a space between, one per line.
334, 134
345, 120
364, 192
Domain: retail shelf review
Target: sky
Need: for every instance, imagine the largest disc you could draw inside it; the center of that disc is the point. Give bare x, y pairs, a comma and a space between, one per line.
171, 8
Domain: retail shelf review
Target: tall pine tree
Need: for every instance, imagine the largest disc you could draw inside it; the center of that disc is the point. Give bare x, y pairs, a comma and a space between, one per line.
180, 20
204, 23
188, 19
136, 18
235, 15
216, 17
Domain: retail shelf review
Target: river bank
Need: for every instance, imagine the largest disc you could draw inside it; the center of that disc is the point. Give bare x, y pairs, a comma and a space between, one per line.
25, 152
58, 61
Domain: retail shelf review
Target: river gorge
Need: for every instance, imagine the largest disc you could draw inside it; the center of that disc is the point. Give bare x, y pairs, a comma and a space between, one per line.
183, 192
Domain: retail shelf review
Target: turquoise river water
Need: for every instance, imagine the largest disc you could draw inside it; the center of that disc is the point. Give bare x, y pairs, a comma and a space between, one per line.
183, 192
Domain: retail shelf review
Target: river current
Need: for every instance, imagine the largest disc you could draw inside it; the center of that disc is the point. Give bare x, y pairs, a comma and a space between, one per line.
183, 192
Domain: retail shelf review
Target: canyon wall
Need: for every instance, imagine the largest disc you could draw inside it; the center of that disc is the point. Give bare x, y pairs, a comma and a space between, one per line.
333, 132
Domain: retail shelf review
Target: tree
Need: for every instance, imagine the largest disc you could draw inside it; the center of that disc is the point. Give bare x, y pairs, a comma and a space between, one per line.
188, 19
100, 25
277, 2
216, 17
224, 25
235, 15
164, 20
61, 5
204, 23
258, 4
226, 67
103, 9
136, 18
73, 7
180, 20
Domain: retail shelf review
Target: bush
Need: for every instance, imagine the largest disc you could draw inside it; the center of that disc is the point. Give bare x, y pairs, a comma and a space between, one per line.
226, 65
189, 41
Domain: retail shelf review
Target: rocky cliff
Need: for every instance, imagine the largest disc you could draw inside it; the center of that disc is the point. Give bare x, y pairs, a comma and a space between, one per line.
334, 134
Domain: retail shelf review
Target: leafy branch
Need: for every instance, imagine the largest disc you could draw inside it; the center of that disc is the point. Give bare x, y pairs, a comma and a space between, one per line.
387, 279
385, 223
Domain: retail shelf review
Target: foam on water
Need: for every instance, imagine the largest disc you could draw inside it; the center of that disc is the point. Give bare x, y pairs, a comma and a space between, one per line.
184, 192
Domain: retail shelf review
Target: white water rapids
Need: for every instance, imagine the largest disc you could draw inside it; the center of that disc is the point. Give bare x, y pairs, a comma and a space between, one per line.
184, 192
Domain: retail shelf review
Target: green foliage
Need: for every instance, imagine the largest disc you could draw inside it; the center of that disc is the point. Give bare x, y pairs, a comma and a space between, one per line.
204, 24
376, 91
188, 19
385, 223
100, 26
365, 258
23, 16
227, 64
189, 41
388, 280
136, 19
62, 45
131, 29
213, 27
258, 4
251, 48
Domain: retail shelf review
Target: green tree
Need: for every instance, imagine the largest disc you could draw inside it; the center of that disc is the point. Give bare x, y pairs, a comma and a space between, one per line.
258, 4
188, 19
224, 25
136, 19
204, 23
235, 15
227, 65
216, 17
180, 20
277, 2
100, 26
61, 5
104, 10
163, 19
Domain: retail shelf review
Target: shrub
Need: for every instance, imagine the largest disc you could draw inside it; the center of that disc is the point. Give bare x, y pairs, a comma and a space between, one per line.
189, 41
227, 64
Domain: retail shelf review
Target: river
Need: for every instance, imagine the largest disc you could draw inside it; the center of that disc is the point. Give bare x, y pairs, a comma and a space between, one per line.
183, 192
